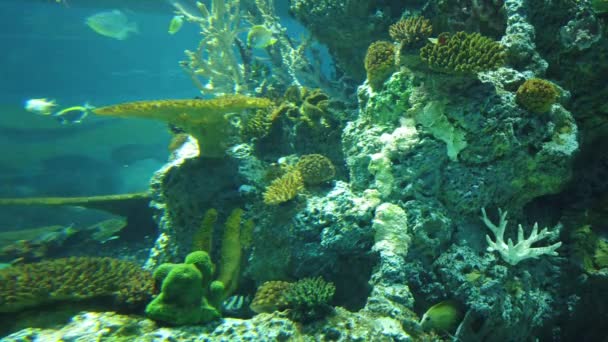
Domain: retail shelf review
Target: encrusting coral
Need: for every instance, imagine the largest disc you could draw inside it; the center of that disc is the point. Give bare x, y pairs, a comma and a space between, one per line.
74, 279
379, 63
536, 95
463, 53
206, 120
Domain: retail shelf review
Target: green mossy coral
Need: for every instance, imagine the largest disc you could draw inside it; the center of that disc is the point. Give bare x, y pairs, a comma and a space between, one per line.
411, 32
186, 292
74, 279
537, 95
463, 53
309, 299
315, 168
379, 63
231, 251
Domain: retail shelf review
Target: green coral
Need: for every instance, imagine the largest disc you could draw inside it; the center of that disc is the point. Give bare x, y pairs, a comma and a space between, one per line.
536, 95
187, 295
74, 279
315, 168
309, 299
463, 53
379, 63
270, 296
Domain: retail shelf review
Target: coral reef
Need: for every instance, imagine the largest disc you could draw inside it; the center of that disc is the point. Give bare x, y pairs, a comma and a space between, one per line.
315, 168
284, 188
74, 279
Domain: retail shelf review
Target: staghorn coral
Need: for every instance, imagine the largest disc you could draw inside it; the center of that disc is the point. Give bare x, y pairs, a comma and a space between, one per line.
284, 188
379, 63
411, 31
315, 168
463, 53
270, 296
206, 120
536, 95
74, 279
309, 299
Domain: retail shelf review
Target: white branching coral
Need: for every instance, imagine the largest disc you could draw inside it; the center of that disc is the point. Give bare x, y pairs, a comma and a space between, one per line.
511, 253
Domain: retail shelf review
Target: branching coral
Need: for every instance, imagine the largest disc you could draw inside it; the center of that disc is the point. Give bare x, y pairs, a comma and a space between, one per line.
463, 53
309, 299
410, 31
523, 250
74, 279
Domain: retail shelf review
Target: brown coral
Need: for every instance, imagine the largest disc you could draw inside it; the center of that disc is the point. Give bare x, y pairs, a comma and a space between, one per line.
379, 63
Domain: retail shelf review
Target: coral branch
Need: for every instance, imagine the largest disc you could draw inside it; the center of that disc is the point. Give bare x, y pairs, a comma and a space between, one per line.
511, 253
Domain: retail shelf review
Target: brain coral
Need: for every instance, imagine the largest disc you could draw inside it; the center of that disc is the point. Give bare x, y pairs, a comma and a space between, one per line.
463, 53
379, 63
536, 95
73, 279
315, 168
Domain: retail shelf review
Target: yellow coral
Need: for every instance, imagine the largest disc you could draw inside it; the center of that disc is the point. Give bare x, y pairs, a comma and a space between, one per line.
284, 188
206, 120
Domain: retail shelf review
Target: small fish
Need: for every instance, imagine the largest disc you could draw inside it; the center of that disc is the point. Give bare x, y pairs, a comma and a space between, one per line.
113, 24
441, 317
260, 37
73, 115
176, 24
40, 106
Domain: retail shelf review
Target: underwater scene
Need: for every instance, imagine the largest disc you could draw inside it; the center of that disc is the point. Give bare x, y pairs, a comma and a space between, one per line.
304, 170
